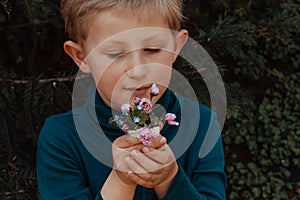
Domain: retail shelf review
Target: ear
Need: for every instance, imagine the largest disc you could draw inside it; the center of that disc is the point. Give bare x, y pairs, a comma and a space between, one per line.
75, 51
180, 40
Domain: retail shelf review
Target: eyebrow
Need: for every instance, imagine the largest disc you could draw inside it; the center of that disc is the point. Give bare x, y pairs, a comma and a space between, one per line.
154, 38
149, 39
109, 42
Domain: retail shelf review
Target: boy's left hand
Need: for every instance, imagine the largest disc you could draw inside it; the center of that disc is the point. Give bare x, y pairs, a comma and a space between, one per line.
153, 168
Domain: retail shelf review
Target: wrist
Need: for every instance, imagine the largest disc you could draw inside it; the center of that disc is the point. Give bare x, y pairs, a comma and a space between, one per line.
123, 189
162, 188
120, 176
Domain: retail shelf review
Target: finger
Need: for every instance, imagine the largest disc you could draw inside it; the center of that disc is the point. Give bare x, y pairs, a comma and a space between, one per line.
158, 142
148, 149
123, 177
126, 141
119, 154
144, 161
137, 147
134, 166
121, 166
163, 155
148, 182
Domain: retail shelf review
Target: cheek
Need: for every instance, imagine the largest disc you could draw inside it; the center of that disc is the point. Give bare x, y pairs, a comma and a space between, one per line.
108, 88
163, 72
109, 79
99, 66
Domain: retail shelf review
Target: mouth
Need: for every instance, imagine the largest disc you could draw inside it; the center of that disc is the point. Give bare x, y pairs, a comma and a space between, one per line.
140, 91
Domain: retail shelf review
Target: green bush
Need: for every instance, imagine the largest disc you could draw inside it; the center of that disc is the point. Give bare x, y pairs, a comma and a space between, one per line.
263, 148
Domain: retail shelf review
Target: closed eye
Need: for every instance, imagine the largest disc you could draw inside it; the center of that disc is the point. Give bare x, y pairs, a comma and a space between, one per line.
115, 55
152, 50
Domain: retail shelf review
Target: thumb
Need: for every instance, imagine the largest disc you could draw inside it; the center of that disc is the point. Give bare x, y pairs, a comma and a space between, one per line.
125, 141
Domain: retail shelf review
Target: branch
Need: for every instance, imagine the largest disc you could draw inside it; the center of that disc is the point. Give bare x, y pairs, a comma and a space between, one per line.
26, 24
63, 79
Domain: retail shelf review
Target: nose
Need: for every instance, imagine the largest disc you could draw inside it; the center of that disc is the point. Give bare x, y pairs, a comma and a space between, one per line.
136, 66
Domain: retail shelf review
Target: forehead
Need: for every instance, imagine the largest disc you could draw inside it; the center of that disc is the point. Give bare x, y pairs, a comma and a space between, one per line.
107, 27
137, 36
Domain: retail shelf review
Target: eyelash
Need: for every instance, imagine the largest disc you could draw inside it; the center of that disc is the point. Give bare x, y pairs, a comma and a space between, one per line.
152, 50
120, 54
115, 55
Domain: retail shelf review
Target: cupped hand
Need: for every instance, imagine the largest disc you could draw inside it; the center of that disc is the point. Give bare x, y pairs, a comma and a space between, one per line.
122, 149
153, 167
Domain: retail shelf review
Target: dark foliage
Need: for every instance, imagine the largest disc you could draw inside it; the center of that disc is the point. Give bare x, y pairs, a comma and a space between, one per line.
255, 45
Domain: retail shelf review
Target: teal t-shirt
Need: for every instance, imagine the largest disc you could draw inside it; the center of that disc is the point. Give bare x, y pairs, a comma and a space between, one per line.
67, 168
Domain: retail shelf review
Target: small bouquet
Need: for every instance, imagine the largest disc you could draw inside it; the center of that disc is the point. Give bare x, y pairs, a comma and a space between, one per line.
139, 119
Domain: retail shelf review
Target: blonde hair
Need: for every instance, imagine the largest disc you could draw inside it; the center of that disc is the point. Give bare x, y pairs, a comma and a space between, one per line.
77, 13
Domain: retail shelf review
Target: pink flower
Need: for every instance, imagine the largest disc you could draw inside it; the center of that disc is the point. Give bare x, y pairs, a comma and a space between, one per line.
146, 135
125, 108
125, 127
170, 117
146, 105
173, 123
136, 100
154, 90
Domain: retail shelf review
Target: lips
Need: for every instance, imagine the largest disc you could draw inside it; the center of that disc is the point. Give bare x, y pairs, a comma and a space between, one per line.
140, 91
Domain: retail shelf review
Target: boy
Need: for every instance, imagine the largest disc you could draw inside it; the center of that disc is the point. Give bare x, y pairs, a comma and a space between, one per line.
126, 46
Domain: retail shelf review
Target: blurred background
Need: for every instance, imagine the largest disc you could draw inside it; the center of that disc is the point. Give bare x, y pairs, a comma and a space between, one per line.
255, 45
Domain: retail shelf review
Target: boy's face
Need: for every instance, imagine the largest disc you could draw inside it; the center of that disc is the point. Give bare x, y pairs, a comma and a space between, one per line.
125, 55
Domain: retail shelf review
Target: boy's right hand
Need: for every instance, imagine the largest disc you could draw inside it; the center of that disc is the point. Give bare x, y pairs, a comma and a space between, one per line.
122, 148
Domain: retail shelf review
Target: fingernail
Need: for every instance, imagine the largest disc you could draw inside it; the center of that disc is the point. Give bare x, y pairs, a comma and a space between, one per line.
146, 149
130, 173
